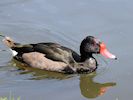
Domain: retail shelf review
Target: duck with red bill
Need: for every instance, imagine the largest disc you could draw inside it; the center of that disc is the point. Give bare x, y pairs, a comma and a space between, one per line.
105, 52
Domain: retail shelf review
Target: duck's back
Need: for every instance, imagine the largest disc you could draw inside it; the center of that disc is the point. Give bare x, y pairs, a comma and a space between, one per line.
52, 51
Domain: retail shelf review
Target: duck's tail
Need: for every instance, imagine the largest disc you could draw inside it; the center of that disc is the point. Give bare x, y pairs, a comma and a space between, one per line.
17, 48
9, 42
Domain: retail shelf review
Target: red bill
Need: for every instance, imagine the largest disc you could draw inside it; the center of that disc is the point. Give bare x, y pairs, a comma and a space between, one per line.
105, 52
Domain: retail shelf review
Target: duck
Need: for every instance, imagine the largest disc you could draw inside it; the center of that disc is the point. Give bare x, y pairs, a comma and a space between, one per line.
55, 57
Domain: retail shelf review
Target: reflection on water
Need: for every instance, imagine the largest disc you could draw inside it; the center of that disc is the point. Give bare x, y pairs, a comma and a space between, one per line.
91, 89
88, 87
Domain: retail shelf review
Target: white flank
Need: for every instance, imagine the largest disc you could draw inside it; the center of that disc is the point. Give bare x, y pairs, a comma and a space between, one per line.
14, 53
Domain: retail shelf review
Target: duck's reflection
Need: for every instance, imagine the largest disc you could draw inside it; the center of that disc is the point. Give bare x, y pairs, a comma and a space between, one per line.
91, 89
88, 87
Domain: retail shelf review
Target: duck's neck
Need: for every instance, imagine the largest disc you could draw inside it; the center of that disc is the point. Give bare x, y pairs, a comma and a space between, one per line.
86, 56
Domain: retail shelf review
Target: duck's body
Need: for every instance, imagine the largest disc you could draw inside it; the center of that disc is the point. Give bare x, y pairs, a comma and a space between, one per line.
54, 57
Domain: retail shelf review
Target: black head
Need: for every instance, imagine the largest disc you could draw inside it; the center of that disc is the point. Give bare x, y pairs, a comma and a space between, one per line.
89, 46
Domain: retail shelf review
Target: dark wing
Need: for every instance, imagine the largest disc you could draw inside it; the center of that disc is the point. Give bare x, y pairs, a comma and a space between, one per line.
57, 52
51, 50
23, 48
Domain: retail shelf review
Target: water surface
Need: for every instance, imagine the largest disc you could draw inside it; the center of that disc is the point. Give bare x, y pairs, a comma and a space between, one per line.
67, 22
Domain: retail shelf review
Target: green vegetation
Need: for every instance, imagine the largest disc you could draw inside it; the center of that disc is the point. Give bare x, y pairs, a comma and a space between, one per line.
6, 98
11, 97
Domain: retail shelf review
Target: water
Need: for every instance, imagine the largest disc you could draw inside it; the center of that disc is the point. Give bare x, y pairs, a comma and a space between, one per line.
67, 22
